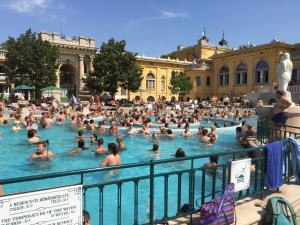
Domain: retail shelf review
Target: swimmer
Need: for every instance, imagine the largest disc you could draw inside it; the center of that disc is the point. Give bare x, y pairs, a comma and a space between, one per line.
114, 158
169, 133
86, 218
131, 130
41, 152
187, 132
94, 139
32, 138
79, 147
180, 153
101, 127
16, 127
121, 145
205, 138
100, 149
80, 136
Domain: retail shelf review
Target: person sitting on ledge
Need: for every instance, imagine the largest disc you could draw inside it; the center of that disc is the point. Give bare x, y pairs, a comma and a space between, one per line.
114, 158
279, 110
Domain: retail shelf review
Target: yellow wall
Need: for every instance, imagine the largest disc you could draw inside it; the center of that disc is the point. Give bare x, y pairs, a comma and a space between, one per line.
159, 69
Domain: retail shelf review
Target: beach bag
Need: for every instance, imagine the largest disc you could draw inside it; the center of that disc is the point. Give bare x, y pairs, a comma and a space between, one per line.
221, 210
279, 212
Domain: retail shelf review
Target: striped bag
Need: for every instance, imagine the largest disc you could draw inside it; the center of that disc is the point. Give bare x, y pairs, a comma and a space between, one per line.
221, 210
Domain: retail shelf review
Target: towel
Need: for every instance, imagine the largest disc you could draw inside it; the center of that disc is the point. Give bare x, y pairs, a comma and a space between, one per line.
295, 152
274, 165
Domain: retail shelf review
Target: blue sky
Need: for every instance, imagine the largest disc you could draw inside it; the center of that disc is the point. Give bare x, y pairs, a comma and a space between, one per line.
155, 27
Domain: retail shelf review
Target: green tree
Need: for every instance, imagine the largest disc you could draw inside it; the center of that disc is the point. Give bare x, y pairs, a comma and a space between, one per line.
31, 61
179, 83
114, 67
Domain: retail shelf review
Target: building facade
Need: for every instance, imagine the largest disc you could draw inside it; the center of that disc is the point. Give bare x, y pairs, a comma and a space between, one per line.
212, 69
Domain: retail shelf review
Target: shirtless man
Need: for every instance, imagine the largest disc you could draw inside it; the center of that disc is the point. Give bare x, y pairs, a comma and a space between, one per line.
121, 145
41, 152
32, 138
280, 109
100, 149
113, 159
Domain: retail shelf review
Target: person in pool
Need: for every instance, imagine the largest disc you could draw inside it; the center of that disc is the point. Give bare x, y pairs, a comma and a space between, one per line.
121, 145
80, 146
100, 149
114, 158
41, 152
94, 139
32, 138
180, 153
80, 136
187, 132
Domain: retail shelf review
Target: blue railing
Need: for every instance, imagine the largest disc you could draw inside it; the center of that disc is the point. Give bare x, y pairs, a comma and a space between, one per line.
193, 181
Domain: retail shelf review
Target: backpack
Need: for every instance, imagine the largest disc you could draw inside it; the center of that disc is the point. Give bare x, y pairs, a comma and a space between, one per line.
279, 212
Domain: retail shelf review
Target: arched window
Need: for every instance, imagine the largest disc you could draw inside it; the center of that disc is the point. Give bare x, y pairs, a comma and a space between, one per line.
261, 72
224, 76
241, 74
150, 81
163, 83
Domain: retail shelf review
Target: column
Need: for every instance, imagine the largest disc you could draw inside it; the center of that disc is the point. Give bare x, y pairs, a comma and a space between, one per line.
91, 68
80, 72
57, 73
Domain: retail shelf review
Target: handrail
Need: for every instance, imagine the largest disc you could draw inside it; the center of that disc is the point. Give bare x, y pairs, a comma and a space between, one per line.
125, 166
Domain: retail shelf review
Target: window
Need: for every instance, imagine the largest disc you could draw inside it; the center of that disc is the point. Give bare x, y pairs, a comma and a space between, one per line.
207, 81
295, 76
241, 74
262, 72
198, 81
224, 76
85, 67
163, 83
150, 82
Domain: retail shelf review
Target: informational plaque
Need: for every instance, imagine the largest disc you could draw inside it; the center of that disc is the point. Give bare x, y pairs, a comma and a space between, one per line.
48, 207
240, 174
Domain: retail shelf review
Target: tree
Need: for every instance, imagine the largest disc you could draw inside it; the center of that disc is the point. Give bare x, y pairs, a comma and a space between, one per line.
31, 61
114, 67
179, 83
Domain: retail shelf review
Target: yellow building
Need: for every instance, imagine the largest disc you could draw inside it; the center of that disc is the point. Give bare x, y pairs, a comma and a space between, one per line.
212, 69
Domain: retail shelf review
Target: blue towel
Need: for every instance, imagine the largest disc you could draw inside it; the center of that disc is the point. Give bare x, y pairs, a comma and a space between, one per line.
295, 152
274, 165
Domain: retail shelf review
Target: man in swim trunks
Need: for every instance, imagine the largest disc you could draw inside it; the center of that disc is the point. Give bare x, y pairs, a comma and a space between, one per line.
279, 111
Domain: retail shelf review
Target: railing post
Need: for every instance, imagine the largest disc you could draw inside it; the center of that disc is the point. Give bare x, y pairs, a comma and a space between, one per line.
151, 210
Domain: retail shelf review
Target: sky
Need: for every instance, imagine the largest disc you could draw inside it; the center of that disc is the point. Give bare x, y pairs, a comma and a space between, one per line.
156, 27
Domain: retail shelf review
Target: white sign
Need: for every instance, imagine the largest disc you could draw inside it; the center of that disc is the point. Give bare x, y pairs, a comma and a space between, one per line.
48, 207
240, 174
149, 106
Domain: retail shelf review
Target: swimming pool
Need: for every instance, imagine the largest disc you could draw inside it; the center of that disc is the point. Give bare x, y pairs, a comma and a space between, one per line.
15, 151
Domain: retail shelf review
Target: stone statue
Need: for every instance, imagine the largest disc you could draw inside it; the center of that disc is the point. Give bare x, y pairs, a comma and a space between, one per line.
284, 72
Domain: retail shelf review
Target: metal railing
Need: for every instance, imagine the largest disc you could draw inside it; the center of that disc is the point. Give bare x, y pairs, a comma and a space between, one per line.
158, 193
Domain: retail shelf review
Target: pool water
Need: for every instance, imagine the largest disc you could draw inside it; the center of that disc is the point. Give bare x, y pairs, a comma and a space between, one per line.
15, 151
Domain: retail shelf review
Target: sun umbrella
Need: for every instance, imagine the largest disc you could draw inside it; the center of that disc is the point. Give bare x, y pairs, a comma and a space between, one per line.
24, 87
50, 89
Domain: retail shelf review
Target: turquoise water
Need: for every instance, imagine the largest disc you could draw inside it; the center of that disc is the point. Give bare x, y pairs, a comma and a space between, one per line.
15, 151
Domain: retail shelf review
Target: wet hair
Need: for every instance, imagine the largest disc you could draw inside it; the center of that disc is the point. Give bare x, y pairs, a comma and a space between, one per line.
155, 147
30, 133
238, 129
95, 136
100, 141
180, 153
204, 132
214, 159
169, 131
91, 121
80, 133
112, 147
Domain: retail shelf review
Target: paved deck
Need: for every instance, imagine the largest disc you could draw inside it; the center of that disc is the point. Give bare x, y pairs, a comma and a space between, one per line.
247, 211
